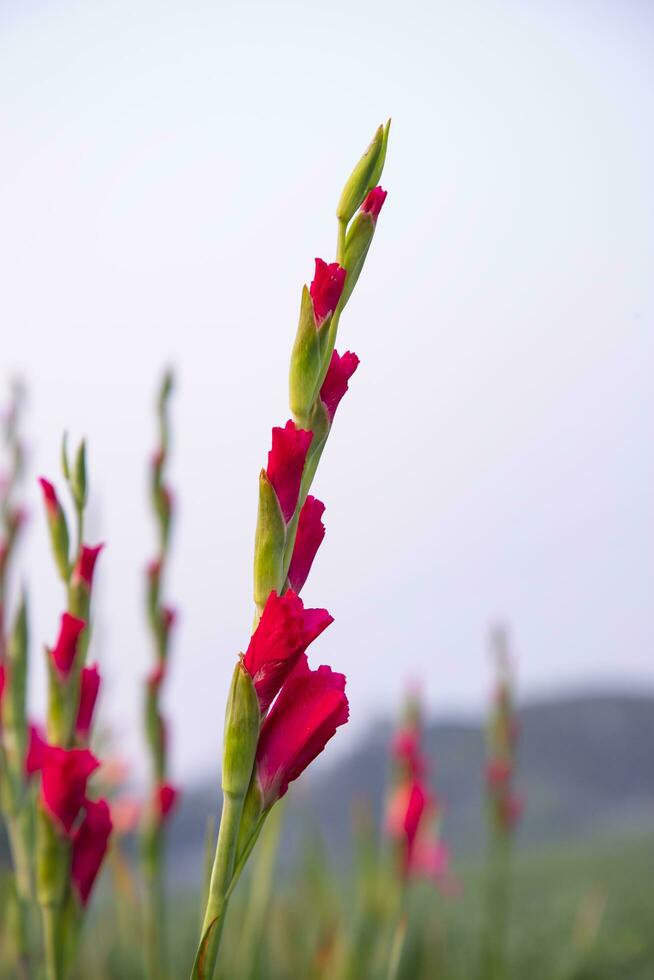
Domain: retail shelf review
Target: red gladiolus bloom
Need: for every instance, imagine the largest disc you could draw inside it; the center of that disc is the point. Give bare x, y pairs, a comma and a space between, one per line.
65, 773
85, 566
36, 749
310, 532
89, 687
284, 632
374, 202
310, 707
286, 459
89, 846
65, 650
166, 799
49, 497
336, 380
326, 288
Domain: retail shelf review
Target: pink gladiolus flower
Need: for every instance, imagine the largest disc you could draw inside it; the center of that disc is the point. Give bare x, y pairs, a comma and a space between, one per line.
326, 288
49, 497
406, 748
336, 380
498, 772
168, 618
156, 676
431, 859
374, 202
65, 650
310, 707
89, 687
310, 532
166, 799
511, 809
65, 773
286, 459
284, 632
85, 565
125, 815
36, 749
89, 846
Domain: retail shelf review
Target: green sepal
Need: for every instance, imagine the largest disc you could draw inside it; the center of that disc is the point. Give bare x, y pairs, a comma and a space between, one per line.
60, 541
52, 861
359, 181
357, 243
78, 479
60, 708
251, 817
306, 361
269, 541
242, 721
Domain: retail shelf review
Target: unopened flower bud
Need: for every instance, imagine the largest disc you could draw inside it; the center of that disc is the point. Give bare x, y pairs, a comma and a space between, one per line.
269, 541
306, 361
361, 179
57, 526
242, 718
78, 481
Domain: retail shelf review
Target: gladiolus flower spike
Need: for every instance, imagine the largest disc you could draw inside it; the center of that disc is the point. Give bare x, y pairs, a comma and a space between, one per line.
281, 713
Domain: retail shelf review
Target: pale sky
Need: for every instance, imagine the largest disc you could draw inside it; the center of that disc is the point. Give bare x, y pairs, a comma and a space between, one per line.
168, 173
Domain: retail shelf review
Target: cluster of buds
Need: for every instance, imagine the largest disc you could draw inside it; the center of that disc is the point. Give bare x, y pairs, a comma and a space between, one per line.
505, 805
161, 620
73, 829
414, 811
280, 712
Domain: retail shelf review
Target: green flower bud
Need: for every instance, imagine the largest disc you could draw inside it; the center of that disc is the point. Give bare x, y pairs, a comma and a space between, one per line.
58, 528
306, 361
375, 176
360, 180
242, 720
269, 541
78, 484
357, 243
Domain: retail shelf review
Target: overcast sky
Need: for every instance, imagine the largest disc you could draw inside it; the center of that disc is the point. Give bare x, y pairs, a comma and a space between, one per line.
168, 173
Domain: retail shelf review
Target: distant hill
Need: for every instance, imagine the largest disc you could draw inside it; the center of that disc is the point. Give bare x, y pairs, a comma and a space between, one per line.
586, 766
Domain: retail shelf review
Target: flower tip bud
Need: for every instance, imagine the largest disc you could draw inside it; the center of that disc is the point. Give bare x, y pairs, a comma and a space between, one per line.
364, 176
49, 495
374, 202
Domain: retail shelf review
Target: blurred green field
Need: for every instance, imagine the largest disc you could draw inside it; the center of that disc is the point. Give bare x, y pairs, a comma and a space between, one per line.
584, 912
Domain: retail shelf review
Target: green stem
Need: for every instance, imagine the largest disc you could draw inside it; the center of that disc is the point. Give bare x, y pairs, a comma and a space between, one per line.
52, 943
340, 243
154, 913
219, 888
